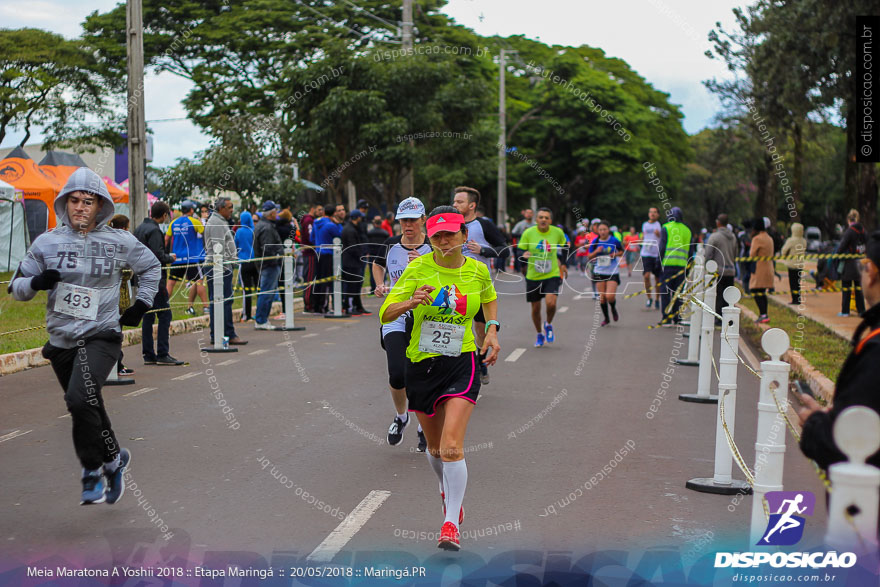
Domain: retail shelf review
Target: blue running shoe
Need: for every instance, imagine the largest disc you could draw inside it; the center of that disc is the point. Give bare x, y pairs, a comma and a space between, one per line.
540, 341
93, 487
548, 330
115, 480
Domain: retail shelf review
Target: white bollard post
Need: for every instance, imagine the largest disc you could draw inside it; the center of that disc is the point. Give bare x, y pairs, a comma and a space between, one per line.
852, 511
337, 283
114, 379
770, 443
288, 289
723, 482
693, 336
707, 336
217, 302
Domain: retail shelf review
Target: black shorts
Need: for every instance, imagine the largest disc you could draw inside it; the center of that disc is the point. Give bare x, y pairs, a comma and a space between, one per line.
536, 289
479, 316
652, 265
598, 277
185, 272
432, 381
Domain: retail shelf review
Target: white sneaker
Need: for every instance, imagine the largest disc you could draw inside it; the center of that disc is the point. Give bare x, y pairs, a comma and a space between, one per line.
265, 326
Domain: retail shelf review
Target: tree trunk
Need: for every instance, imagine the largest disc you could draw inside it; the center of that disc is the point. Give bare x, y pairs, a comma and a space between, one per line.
851, 171
763, 185
797, 179
867, 195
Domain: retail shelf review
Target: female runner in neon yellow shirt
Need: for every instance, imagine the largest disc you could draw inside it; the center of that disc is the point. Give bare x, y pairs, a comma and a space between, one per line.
443, 292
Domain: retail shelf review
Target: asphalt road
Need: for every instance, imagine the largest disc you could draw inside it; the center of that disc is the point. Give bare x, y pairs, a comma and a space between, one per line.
313, 408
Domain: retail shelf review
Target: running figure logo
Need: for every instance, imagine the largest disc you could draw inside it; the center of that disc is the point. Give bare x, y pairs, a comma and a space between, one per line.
786, 527
450, 299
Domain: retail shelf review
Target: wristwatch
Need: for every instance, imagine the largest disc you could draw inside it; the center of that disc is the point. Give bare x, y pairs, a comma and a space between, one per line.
496, 323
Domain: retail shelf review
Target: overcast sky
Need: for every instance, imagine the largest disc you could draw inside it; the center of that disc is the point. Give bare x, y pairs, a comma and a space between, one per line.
663, 40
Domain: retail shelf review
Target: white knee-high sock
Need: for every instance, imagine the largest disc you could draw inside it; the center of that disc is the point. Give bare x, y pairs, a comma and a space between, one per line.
437, 465
455, 481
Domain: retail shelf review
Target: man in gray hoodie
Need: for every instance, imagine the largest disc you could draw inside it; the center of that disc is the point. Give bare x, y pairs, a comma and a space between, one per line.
80, 265
721, 248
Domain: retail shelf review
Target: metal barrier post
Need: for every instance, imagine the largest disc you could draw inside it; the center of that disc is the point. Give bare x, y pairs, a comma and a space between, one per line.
770, 443
707, 332
217, 301
693, 336
852, 511
115, 379
337, 283
288, 289
722, 483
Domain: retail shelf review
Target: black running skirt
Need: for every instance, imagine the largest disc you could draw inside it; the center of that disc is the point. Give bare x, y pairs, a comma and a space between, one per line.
432, 381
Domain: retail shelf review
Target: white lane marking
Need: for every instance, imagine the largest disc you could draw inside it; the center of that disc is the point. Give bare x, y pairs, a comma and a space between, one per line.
310, 335
139, 391
187, 376
334, 328
517, 353
259, 352
227, 362
17, 433
580, 297
563, 310
348, 527
285, 343
64, 416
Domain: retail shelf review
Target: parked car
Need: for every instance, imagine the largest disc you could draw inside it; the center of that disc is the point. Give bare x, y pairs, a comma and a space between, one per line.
814, 239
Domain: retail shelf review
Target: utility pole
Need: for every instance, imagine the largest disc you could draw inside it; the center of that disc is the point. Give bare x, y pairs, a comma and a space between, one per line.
137, 140
502, 147
410, 177
407, 24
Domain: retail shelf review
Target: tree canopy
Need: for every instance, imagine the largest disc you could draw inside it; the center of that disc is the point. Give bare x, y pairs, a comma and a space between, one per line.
51, 83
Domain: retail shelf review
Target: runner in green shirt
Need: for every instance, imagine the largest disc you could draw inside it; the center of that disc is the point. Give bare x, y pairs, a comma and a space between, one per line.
443, 292
545, 247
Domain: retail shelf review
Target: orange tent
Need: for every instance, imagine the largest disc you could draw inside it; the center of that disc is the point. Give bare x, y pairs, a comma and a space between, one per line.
61, 165
39, 190
119, 195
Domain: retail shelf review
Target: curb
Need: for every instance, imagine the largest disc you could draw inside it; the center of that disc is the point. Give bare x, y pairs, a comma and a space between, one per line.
28, 359
819, 383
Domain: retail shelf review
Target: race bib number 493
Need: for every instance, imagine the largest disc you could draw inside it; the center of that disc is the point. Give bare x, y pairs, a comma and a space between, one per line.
76, 301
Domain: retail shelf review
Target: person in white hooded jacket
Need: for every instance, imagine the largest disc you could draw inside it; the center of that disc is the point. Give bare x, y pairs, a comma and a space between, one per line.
80, 265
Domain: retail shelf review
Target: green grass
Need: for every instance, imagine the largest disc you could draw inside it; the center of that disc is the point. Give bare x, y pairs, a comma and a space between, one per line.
15, 315
819, 345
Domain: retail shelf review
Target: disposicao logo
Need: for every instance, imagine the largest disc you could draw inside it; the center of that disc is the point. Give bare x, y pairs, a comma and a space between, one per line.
450, 299
785, 528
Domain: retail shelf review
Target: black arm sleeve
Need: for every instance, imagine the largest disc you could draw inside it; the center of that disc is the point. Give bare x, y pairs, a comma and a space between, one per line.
564, 251
662, 243
157, 245
380, 255
856, 386
494, 237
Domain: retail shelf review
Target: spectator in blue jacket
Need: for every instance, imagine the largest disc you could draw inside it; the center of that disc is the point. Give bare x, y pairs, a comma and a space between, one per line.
248, 274
325, 229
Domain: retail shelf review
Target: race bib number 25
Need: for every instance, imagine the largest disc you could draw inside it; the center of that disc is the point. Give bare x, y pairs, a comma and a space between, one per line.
440, 337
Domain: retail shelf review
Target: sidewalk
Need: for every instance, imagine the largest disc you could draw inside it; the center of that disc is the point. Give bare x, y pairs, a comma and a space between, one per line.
821, 307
